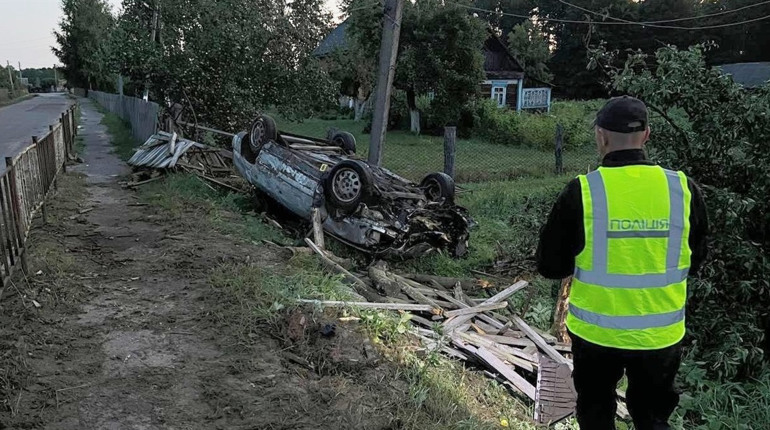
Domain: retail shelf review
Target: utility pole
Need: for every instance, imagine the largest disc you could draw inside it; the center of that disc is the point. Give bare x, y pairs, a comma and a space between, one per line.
55, 79
20, 71
10, 76
146, 96
391, 30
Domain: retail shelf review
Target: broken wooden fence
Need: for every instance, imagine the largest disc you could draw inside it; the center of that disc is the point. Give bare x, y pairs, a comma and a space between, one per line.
28, 178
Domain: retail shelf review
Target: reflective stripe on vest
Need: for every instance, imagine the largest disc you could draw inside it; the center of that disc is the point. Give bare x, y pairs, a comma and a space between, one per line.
602, 235
627, 319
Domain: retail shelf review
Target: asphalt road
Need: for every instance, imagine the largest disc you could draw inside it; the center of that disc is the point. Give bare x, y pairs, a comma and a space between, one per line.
20, 121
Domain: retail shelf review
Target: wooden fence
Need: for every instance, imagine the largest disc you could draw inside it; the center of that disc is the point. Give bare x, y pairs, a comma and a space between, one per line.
24, 186
142, 115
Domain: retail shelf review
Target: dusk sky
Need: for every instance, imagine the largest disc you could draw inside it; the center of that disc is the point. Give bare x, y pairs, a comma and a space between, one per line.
26, 30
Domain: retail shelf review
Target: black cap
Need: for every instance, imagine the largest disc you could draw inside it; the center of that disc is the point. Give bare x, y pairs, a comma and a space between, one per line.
623, 115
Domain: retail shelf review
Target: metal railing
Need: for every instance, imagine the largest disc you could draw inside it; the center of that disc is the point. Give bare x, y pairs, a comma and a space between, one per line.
24, 186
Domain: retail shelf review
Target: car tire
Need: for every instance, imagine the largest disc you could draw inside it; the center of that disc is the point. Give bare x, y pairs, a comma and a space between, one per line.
439, 187
346, 141
262, 130
348, 184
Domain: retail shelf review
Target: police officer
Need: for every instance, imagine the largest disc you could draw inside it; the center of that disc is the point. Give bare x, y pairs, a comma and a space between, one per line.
630, 232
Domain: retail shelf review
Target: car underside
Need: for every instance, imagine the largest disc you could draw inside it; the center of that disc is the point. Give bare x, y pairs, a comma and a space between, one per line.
367, 207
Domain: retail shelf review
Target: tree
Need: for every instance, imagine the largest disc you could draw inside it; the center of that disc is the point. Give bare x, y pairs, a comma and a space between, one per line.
716, 132
83, 46
530, 46
439, 52
502, 18
225, 60
354, 70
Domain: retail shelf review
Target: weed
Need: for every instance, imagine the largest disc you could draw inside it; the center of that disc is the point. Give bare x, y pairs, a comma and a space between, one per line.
120, 134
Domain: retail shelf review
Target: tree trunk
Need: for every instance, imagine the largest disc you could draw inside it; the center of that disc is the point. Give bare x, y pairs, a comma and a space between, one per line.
562, 308
359, 107
414, 113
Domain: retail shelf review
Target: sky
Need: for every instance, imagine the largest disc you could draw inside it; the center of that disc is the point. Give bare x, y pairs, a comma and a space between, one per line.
26, 30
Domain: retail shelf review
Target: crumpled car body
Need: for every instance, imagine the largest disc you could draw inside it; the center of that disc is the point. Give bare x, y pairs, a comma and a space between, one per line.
366, 207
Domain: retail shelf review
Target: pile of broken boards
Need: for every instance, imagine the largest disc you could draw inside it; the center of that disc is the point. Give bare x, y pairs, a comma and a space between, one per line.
167, 151
446, 319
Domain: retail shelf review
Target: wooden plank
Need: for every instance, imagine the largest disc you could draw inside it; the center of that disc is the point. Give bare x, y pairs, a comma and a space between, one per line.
475, 309
303, 147
369, 305
512, 355
318, 231
517, 380
7, 236
507, 340
497, 298
539, 341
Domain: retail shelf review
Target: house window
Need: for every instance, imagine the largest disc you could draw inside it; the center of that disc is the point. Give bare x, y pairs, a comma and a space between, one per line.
498, 95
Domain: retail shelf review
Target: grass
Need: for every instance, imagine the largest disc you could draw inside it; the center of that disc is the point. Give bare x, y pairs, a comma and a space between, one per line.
415, 156
120, 133
26, 97
443, 394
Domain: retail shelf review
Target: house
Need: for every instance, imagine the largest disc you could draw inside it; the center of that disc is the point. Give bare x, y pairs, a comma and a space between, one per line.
504, 75
748, 75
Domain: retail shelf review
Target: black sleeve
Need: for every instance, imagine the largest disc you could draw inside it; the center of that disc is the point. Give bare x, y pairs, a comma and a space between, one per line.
699, 227
562, 236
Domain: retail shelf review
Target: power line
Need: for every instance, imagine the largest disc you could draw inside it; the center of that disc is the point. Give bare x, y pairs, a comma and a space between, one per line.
708, 15
653, 23
573, 21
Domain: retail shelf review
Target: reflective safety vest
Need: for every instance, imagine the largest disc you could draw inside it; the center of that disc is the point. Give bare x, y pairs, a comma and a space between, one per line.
630, 284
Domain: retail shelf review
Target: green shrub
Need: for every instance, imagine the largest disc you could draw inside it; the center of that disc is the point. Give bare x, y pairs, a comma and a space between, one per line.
537, 130
717, 133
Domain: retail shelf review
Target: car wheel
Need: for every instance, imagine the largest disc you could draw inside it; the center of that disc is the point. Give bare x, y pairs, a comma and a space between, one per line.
348, 184
346, 141
263, 130
439, 187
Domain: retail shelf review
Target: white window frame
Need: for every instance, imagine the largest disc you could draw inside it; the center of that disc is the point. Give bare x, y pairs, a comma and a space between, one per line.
499, 94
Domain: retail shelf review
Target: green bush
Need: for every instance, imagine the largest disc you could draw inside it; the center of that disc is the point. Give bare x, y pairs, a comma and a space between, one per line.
537, 130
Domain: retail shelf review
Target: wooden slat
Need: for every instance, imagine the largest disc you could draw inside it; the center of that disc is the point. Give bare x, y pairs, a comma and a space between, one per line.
497, 298
7, 236
539, 341
517, 380
370, 305
475, 309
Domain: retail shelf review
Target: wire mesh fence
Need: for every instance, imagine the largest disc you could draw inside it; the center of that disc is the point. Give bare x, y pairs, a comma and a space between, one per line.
479, 161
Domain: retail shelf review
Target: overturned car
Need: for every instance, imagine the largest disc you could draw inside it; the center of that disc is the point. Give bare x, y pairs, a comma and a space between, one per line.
367, 207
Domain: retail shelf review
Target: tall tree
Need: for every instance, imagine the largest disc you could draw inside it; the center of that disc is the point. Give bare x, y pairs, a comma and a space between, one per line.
227, 59
83, 46
504, 15
439, 52
530, 46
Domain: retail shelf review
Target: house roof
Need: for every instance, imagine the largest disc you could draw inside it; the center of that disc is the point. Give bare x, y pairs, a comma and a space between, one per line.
749, 75
499, 63
337, 39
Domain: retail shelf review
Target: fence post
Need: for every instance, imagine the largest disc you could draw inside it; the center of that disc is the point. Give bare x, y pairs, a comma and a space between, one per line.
450, 136
41, 160
558, 149
16, 208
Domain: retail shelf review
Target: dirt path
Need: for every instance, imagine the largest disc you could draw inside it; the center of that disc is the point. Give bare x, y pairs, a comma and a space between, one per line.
126, 336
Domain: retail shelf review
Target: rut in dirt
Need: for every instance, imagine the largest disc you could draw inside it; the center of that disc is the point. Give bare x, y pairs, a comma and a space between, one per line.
126, 339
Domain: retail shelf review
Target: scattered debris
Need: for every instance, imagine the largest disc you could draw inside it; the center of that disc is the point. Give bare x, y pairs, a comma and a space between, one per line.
446, 319
166, 151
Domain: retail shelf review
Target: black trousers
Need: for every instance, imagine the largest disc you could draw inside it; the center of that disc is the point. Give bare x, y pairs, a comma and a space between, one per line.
651, 397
